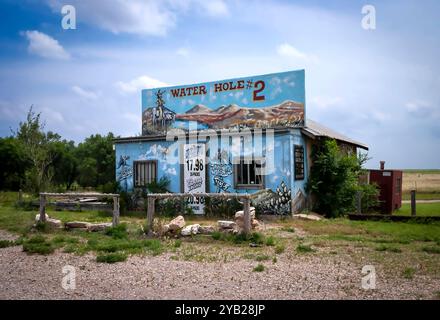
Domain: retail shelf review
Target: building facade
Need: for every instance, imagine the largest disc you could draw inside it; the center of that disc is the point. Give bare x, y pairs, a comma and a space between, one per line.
244, 135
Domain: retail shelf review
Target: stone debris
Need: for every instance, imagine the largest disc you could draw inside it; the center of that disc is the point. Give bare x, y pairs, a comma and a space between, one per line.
175, 224
310, 216
224, 224
190, 230
55, 223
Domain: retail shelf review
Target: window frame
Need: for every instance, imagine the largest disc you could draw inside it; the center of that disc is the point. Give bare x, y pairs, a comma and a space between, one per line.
296, 176
146, 162
237, 162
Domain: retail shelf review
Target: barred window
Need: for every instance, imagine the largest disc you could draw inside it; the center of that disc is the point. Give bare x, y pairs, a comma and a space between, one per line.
144, 172
299, 162
248, 174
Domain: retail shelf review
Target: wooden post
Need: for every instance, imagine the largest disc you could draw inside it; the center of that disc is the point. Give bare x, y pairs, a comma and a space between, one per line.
115, 220
150, 213
246, 215
413, 202
359, 202
42, 208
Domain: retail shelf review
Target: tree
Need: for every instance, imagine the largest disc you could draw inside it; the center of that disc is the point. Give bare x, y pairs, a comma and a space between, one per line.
96, 161
36, 145
65, 165
13, 164
333, 179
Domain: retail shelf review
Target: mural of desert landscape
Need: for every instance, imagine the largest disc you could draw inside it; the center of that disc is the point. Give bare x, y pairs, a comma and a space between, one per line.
219, 158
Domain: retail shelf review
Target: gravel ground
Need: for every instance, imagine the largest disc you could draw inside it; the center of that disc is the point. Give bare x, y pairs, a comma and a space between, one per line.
24, 276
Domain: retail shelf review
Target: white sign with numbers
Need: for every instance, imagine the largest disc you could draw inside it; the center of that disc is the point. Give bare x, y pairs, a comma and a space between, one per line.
194, 175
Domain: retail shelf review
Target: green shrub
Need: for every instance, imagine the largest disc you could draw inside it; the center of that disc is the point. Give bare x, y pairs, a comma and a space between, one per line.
334, 178
39, 245
270, 241
302, 248
6, 243
288, 229
111, 257
259, 268
117, 232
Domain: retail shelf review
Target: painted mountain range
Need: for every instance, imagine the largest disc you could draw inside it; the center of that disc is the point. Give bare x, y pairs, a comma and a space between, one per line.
288, 113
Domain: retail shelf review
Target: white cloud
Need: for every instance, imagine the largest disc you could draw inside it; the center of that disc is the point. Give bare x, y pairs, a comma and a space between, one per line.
143, 17
142, 82
417, 105
135, 118
214, 8
289, 51
86, 94
184, 52
325, 102
44, 45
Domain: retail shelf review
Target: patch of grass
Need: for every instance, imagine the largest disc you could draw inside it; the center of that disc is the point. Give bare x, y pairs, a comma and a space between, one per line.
288, 229
274, 260
216, 235
422, 209
303, 248
270, 241
388, 248
177, 243
6, 243
111, 257
431, 249
422, 196
408, 273
280, 248
256, 238
262, 257
117, 232
38, 245
259, 268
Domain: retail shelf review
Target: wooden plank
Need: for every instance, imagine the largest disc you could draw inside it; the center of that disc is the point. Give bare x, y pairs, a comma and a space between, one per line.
115, 220
42, 208
246, 215
150, 213
413, 202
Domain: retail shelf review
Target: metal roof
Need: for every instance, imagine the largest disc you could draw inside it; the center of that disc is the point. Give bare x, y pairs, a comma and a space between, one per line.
315, 129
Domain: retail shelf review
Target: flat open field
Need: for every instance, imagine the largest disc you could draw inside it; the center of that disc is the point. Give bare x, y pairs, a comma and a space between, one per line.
294, 259
424, 181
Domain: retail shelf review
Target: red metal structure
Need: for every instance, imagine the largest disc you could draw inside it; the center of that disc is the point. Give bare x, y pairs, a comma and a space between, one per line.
390, 185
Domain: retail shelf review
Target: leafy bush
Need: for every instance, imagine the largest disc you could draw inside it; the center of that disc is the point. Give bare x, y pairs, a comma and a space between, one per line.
216, 235
225, 208
369, 197
111, 257
334, 178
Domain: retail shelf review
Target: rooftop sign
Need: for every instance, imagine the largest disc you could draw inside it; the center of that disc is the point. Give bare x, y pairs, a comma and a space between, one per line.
266, 101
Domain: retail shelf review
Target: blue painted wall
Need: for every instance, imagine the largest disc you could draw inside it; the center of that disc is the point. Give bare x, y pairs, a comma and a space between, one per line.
281, 151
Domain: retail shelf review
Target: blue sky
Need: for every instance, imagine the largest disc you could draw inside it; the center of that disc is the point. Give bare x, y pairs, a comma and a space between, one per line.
381, 87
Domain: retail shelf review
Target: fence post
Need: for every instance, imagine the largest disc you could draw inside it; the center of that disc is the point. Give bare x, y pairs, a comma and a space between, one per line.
150, 213
246, 215
42, 208
115, 220
413, 202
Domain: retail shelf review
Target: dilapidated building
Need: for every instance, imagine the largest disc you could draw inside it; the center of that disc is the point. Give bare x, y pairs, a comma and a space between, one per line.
243, 135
